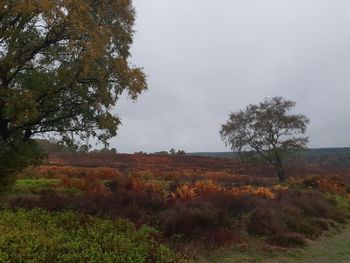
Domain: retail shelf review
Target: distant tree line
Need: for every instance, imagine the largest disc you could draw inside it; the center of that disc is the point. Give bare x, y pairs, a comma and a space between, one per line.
51, 145
172, 151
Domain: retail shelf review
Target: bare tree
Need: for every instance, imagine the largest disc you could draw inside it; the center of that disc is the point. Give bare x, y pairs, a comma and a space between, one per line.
267, 129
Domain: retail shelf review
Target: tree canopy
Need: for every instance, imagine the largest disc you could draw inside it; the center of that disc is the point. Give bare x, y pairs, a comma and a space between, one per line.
268, 129
63, 66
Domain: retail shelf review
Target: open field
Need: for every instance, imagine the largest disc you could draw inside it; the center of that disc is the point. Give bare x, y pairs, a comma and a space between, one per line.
183, 208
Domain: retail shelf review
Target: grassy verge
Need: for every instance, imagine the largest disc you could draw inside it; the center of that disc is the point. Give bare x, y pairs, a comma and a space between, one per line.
332, 247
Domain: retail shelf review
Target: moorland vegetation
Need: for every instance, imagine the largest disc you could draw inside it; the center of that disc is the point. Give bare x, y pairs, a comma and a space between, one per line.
191, 203
63, 66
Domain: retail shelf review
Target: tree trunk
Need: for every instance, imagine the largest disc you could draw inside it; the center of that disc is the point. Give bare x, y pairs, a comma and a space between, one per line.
4, 129
281, 176
280, 170
4, 132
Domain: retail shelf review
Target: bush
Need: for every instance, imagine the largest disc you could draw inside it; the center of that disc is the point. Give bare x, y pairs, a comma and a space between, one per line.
264, 222
136, 206
347, 190
299, 214
235, 205
38, 236
313, 204
192, 217
286, 240
218, 238
330, 184
310, 228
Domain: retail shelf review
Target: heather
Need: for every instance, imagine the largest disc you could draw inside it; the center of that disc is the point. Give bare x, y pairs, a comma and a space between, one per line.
188, 201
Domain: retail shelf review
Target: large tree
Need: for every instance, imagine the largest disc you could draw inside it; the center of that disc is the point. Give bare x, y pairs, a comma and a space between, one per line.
267, 129
63, 65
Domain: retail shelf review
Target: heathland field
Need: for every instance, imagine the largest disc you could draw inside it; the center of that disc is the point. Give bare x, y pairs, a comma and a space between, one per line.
153, 208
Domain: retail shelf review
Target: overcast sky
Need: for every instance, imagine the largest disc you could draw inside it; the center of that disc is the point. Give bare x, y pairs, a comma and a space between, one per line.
206, 58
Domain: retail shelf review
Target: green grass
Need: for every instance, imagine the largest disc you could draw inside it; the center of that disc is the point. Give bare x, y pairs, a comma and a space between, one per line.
330, 248
34, 185
39, 186
342, 202
39, 236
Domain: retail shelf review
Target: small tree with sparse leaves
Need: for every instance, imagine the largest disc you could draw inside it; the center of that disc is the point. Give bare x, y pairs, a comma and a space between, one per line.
268, 129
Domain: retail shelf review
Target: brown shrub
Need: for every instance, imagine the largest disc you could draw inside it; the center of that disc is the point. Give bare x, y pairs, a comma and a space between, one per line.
286, 240
313, 204
303, 225
235, 205
103, 173
53, 171
219, 238
253, 190
330, 184
276, 218
137, 206
265, 222
190, 218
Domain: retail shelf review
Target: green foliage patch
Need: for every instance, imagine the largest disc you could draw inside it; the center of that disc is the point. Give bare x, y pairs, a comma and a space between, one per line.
35, 185
40, 236
341, 202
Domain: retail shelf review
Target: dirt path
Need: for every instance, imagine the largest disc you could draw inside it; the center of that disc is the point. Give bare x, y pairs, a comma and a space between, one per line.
331, 248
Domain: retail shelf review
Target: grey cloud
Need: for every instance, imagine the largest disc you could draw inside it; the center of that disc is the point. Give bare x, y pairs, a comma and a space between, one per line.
207, 58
